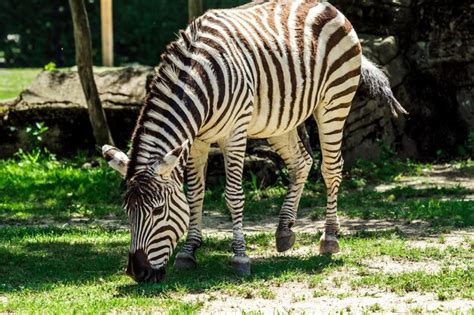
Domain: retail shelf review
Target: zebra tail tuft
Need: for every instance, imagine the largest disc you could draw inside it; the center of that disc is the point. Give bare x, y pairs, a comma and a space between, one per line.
379, 86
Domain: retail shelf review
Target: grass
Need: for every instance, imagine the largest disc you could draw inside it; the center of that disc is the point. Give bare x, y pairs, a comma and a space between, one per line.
81, 270
78, 270
53, 266
58, 191
13, 81
52, 190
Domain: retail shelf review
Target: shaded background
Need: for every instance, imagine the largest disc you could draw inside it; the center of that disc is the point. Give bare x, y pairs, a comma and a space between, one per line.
35, 32
426, 47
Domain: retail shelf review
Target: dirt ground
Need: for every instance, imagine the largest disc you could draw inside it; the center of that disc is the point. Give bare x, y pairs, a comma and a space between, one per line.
300, 298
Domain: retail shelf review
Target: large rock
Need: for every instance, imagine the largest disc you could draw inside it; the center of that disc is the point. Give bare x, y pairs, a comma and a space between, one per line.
56, 98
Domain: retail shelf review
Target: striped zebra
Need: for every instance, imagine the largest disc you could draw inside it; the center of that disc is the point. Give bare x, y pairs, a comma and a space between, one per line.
256, 71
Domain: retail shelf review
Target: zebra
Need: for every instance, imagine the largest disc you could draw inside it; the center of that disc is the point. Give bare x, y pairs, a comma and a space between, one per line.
256, 71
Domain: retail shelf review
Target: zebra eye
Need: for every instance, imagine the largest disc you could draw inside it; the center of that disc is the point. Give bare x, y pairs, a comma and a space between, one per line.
158, 210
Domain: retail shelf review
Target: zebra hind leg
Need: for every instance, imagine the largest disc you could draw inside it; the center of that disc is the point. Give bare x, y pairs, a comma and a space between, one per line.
331, 120
299, 163
234, 153
196, 176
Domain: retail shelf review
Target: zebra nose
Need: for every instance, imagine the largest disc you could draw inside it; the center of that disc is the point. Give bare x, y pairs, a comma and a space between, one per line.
140, 269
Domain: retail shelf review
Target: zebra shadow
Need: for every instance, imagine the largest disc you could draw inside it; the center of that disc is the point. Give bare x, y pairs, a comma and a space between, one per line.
214, 271
38, 258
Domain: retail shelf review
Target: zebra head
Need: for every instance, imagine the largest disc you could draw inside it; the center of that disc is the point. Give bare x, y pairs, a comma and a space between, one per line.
157, 210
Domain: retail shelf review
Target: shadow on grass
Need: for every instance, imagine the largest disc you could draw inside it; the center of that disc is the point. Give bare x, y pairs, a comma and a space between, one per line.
37, 259
32, 264
215, 272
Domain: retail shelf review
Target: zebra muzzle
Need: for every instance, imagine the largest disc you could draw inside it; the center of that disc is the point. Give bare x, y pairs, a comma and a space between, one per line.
140, 270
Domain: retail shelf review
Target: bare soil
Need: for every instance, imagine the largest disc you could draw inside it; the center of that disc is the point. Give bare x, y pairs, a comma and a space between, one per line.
339, 296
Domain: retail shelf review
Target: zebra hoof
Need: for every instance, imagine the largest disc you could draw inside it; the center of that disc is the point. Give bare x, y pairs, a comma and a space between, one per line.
184, 261
328, 245
241, 265
285, 239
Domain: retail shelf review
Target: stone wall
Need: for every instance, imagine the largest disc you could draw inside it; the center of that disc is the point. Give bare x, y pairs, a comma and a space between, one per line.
427, 50
56, 98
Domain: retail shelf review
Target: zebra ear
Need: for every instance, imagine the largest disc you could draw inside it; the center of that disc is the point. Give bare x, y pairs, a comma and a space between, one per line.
165, 166
116, 159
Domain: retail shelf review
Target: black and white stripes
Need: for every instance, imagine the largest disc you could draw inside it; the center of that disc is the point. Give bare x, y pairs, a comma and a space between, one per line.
258, 71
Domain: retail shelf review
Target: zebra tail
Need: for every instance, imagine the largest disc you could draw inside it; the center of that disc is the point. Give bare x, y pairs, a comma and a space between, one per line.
379, 87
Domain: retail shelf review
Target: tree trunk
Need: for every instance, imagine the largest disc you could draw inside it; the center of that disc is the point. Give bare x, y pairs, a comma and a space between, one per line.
195, 9
83, 43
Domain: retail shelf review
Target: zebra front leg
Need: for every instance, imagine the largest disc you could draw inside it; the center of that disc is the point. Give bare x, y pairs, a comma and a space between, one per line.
196, 178
233, 149
299, 162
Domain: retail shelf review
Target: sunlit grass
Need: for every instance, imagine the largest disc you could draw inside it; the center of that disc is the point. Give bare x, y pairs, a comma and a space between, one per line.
57, 190
54, 268
13, 81
81, 270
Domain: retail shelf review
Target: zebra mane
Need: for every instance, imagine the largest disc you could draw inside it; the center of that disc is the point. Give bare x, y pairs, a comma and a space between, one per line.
184, 44
166, 74
181, 47
133, 193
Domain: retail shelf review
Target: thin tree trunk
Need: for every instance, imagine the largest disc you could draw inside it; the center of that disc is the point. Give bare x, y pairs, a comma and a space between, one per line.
83, 43
195, 9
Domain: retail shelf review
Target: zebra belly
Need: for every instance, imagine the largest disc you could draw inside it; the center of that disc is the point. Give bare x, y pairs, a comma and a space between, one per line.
275, 118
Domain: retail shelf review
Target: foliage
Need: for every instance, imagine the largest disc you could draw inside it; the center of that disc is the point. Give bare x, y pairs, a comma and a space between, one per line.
33, 34
50, 66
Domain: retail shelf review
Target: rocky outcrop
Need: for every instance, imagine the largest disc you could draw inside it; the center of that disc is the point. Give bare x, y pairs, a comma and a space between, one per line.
56, 98
427, 50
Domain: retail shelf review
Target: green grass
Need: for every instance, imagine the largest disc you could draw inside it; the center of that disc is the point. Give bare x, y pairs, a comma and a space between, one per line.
81, 270
57, 190
78, 270
56, 267
13, 81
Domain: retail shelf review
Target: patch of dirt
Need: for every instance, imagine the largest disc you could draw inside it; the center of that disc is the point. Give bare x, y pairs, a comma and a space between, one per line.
387, 264
444, 175
457, 238
299, 298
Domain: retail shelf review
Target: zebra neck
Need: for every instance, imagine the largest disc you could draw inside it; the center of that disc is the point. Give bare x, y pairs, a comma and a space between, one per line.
171, 115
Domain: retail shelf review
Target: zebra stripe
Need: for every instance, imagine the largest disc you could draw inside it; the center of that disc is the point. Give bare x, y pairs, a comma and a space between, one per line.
257, 71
